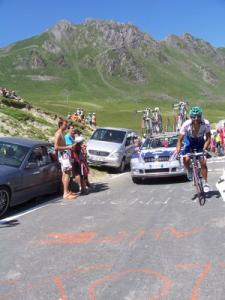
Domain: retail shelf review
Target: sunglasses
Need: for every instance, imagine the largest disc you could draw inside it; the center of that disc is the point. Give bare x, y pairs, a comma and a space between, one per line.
196, 117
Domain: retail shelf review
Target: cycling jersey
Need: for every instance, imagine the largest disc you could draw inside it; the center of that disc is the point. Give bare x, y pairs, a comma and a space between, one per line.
187, 127
192, 142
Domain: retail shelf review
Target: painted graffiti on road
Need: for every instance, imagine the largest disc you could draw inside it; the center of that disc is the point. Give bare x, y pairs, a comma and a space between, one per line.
165, 284
77, 238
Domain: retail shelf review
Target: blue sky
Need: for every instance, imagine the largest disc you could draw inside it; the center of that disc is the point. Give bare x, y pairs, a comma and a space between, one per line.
205, 19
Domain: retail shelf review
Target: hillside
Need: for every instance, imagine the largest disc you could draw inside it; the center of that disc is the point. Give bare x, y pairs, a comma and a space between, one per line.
30, 122
114, 69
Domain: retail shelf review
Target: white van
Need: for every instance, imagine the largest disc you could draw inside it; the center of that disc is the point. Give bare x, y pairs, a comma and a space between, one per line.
111, 147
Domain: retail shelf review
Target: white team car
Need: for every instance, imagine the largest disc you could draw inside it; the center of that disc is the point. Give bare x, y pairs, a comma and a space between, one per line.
156, 159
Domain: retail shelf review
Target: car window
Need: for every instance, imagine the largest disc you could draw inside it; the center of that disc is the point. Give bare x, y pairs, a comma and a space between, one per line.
40, 156
108, 135
162, 142
128, 141
12, 154
52, 153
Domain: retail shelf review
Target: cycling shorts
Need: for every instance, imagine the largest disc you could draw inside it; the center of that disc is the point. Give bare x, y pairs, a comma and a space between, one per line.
193, 144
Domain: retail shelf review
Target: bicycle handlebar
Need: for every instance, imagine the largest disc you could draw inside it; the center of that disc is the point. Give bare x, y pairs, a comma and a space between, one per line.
193, 154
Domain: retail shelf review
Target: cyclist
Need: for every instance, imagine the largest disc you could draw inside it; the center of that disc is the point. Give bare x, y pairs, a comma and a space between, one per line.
196, 135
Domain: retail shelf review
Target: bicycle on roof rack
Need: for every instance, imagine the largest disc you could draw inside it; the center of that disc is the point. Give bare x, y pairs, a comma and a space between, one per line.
181, 116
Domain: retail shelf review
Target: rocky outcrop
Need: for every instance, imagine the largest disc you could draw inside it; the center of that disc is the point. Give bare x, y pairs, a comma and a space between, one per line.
120, 62
208, 75
61, 30
196, 46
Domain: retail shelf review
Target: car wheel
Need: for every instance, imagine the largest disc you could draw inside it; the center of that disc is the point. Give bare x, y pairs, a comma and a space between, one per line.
4, 200
136, 180
122, 166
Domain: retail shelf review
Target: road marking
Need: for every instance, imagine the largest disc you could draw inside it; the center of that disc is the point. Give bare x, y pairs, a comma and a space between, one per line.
167, 200
23, 214
138, 236
165, 281
58, 281
116, 176
134, 201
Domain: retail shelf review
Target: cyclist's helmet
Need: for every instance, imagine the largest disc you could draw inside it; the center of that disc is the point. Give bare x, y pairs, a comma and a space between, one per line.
195, 111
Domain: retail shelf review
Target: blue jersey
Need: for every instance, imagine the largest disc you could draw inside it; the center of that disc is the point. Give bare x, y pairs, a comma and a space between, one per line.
69, 140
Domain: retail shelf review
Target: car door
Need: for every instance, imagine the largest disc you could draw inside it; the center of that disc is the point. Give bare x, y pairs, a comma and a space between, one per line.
129, 147
50, 168
32, 175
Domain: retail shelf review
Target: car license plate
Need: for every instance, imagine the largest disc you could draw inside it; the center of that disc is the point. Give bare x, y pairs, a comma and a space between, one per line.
156, 166
99, 158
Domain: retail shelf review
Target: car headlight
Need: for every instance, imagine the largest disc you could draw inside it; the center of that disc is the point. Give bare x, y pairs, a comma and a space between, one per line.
137, 160
116, 154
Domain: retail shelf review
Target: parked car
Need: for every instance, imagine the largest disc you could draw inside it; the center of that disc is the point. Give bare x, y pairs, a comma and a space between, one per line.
111, 147
156, 159
28, 168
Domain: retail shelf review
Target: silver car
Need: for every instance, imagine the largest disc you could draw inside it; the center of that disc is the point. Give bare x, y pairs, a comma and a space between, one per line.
156, 159
111, 147
28, 168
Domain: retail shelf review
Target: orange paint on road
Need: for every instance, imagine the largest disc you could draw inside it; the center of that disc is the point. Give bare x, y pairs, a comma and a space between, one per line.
167, 283
139, 235
8, 281
188, 266
206, 269
114, 239
195, 291
68, 238
177, 234
48, 281
59, 284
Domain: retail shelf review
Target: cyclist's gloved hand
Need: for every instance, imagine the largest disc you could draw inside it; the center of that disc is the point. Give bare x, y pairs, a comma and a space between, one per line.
176, 155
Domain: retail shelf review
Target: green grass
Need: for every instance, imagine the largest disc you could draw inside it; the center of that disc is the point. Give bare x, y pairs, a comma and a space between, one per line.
113, 98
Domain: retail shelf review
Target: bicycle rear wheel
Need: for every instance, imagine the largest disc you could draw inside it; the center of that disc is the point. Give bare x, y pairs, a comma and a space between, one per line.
199, 187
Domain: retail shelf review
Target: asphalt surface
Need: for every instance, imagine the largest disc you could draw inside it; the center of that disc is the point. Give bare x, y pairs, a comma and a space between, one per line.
122, 241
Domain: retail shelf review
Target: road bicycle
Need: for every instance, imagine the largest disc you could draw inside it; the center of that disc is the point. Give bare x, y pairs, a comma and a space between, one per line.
182, 114
151, 121
197, 176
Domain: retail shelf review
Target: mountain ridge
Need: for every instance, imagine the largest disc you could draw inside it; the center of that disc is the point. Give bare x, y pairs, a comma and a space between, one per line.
106, 62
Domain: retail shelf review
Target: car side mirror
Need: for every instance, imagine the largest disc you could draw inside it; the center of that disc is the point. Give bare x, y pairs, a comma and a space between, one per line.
31, 165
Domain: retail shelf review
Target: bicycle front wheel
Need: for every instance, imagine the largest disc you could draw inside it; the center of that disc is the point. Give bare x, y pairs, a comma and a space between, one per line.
199, 187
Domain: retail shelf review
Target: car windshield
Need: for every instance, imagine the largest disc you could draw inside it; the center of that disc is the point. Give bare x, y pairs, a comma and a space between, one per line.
162, 142
109, 135
12, 154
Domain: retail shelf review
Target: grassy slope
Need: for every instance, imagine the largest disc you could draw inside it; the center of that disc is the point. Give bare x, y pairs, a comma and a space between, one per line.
114, 100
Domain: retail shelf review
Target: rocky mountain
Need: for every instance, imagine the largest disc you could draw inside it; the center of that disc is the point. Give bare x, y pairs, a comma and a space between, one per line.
105, 59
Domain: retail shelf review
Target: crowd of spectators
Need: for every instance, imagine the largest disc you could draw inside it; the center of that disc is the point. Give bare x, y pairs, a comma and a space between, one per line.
79, 116
4, 92
72, 155
218, 141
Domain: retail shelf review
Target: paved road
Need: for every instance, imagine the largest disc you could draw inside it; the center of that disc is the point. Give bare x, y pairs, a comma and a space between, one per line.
123, 241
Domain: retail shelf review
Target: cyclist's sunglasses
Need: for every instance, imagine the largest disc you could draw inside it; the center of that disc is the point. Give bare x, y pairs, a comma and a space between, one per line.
193, 117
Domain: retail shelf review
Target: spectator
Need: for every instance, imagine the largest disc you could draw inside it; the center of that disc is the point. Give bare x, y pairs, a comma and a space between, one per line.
93, 119
71, 138
64, 155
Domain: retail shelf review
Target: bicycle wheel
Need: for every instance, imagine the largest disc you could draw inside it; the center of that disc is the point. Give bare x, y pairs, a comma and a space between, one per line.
199, 186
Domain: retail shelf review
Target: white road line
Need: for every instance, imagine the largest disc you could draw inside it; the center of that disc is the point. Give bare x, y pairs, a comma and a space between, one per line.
167, 200
22, 214
116, 176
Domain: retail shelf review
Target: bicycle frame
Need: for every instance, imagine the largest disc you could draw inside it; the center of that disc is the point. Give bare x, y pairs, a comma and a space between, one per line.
197, 177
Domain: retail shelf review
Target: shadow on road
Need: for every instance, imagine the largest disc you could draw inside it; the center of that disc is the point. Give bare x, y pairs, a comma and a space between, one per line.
98, 187
31, 204
213, 194
40, 201
11, 223
163, 180
111, 170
